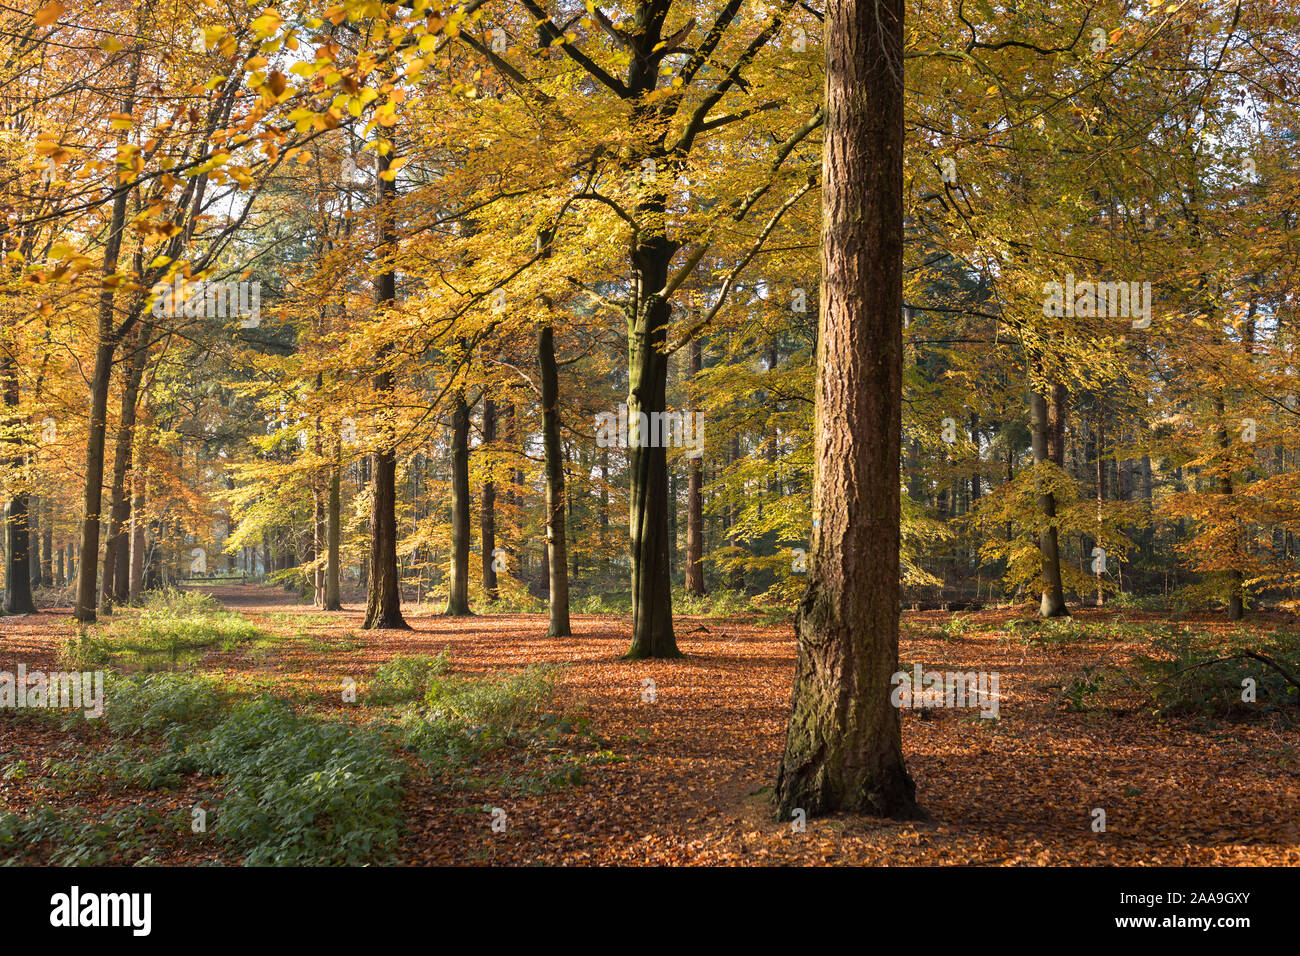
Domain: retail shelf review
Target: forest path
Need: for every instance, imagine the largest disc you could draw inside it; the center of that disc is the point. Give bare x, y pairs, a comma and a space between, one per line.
237, 596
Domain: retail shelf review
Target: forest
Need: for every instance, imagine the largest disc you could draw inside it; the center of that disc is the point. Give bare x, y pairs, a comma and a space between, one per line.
650, 432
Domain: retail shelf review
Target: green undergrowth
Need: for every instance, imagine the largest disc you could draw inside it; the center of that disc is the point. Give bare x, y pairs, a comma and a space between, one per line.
278, 785
173, 629
452, 724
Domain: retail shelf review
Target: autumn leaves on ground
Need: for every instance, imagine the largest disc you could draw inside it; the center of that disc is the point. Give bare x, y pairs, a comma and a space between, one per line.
582, 758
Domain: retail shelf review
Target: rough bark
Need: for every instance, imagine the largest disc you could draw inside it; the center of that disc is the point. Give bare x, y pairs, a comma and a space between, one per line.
843, 749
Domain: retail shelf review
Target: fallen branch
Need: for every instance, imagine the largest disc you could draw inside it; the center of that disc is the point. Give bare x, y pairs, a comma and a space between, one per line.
1251, 655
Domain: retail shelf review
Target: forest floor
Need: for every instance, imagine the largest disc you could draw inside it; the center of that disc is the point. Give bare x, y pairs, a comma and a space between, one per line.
685, 778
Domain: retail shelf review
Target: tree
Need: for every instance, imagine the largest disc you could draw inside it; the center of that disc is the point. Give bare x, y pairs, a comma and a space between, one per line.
384, 589
843, 747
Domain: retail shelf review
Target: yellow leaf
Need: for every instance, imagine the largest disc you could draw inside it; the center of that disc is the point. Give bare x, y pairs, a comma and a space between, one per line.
49, 13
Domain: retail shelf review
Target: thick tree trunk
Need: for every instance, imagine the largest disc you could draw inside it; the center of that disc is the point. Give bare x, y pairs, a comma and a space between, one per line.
651, 255
556, 553
1043, 441
488, 512
384, 587
458, 584
843, 749
652, 607
18, 542
383, 594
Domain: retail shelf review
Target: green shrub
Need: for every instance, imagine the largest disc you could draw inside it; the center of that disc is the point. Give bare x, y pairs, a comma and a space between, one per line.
405, 678
164, 702
713, 604
302, 792
953, 629
172, 628
1186, 676
467, 717
1082, 690
602, 603
77, 837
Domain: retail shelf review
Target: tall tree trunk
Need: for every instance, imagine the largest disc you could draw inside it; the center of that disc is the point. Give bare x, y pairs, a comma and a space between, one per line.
694, 495
1101, 492
843, 748
17, 537
1044, 444
18, 543
736, 576
34, 528
604, 513
556, 553
1236, 609
136, 582
515, 486
116, 585
333, 535
47, 541
108, 337
316, 543
488, 511
651, 256
384, 586
458, 585
652, 599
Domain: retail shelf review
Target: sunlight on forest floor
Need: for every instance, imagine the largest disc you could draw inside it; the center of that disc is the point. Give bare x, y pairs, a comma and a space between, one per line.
683, 778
